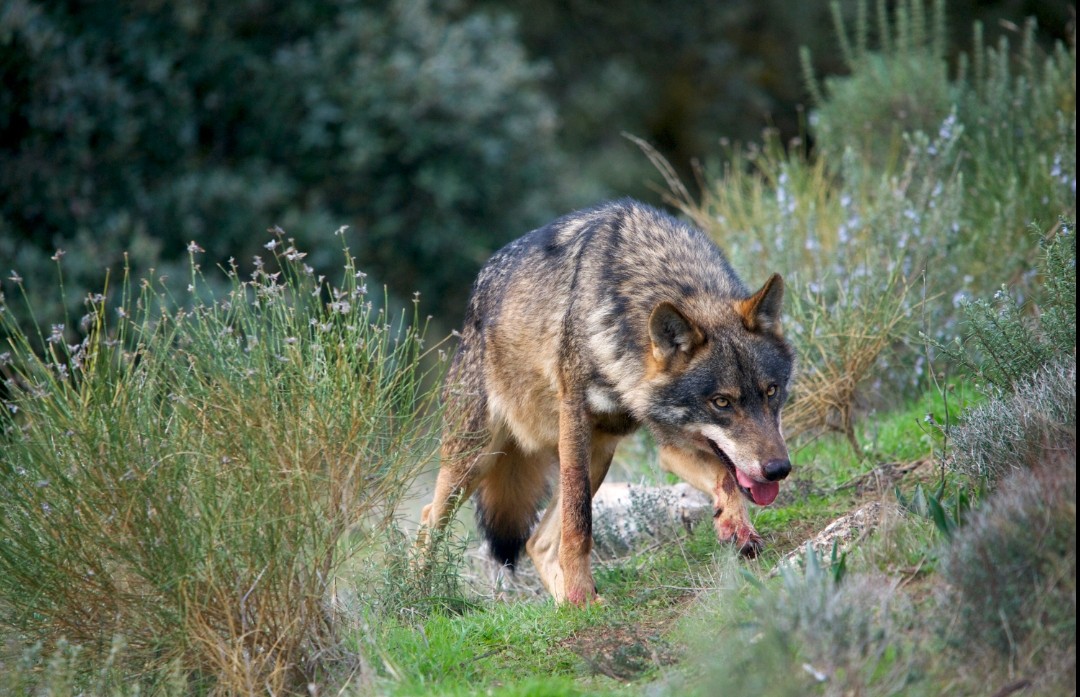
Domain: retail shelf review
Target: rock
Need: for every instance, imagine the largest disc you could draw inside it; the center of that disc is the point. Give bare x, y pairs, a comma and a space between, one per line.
630, 516
845, 531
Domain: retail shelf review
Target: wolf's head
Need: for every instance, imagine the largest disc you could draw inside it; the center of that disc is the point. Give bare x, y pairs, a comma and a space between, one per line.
719, 378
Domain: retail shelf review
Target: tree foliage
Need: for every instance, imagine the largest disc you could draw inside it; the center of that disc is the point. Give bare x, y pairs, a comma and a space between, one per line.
141, 126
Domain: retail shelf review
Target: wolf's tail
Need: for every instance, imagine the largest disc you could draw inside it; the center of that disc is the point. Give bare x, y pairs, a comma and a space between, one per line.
507, 503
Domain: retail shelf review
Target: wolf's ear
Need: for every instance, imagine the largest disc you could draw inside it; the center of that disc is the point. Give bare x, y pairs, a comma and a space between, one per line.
671, 333
761, 311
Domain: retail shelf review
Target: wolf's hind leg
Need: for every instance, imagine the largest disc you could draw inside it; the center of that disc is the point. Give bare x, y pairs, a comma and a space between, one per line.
509, 496
461, 467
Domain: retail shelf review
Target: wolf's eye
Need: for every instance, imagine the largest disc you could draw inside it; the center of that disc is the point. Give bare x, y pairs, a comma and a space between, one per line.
721, 402
770, 391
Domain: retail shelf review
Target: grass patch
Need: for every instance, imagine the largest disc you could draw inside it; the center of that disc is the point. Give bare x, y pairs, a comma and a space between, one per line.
515, 647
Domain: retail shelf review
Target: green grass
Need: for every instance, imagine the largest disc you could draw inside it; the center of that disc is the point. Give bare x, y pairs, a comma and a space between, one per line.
901, 434
471, 651
529, 646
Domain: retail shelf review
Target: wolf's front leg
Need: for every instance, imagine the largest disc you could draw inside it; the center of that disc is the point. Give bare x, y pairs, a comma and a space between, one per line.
575, 501
731, 518
707, 473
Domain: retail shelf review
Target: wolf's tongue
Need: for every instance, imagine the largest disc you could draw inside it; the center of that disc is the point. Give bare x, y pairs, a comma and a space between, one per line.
763, 493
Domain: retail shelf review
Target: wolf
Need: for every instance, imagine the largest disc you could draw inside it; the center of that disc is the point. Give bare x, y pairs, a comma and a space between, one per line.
576, 335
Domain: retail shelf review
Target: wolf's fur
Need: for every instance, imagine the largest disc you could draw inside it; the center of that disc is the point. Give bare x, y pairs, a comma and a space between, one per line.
581, 331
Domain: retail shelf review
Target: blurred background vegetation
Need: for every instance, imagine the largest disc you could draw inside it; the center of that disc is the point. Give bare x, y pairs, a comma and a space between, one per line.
436, 131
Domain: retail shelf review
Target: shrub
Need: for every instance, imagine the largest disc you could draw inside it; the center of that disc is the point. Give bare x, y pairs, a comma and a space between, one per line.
191, 476
1015, 111
900, 89
1018, 430
811, 635
1006, 340
1012, 572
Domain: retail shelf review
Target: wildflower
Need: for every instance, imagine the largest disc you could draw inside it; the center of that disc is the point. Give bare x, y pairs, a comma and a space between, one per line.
194, 248
945, 133
57, 334
293, 255
341, 230
58, 255
15, 277
271, 245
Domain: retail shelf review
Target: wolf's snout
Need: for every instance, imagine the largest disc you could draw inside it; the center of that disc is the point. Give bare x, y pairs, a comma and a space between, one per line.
775, 470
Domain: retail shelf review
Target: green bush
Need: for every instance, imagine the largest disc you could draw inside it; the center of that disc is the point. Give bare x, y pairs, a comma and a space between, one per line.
1018, 430
901, 88
1013, 111
1006, 340
1012, 572
134, 129
191, 475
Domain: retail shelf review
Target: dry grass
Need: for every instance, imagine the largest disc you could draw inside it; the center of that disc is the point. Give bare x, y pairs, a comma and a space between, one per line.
192, 478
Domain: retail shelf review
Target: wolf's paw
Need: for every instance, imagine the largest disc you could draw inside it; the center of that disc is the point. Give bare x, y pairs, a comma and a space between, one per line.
742, 535
751, 545
583, 596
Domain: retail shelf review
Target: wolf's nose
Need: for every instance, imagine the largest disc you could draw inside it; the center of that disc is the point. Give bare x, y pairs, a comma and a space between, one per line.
775, 470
